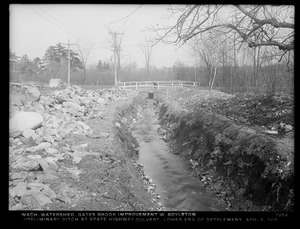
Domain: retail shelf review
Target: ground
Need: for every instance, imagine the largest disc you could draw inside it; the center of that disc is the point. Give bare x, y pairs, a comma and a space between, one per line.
108, 179
240, 132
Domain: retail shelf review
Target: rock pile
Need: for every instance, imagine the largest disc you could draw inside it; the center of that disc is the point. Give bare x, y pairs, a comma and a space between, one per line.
34, 143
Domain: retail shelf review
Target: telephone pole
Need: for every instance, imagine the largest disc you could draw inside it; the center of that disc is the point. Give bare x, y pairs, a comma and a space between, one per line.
69, 62
115, 54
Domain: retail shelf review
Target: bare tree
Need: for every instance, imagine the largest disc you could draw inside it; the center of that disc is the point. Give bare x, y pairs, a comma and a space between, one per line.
84, 55
206, 49
274, 24
147, 51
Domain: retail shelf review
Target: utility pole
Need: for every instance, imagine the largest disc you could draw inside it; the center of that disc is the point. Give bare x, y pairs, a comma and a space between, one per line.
115, 54
69, 62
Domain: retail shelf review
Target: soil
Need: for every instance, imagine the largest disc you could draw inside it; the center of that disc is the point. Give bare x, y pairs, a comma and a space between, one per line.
241, 150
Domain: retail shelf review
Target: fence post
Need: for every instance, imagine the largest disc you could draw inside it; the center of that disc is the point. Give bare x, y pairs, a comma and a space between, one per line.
135, 85
157, 85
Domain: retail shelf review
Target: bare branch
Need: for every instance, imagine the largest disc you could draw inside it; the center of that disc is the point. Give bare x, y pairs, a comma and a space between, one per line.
273, 21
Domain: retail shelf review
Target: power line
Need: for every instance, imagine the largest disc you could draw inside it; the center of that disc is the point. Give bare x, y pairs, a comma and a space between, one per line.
126, 16
70, 28
59, 13
63, 27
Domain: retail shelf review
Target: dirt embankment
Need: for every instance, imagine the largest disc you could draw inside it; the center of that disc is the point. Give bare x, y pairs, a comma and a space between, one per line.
245, 167
80, 156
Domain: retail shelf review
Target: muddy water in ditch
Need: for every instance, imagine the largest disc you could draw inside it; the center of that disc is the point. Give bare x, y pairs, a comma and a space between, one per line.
179, 190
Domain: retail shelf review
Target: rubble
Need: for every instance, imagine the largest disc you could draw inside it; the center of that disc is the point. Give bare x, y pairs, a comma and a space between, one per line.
36, 130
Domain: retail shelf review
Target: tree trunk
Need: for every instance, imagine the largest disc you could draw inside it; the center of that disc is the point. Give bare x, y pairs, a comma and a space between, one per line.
84, 72
213, 79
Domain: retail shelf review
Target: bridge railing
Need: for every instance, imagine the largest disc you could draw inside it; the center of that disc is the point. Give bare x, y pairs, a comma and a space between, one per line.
157, 84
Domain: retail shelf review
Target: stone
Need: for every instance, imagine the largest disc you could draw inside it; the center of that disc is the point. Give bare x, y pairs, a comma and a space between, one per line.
48, 139
270, 131
79, 147
26, 164
58, 107
35, 199
15, 134
100, 100
83, 125
288, 128
38, 140
46, 100
29, 133
74, 171
51, 160
33, 92
60, 156
49, 192
19, 190
194, 163
87, 101
44, 164
19, 151
34, 157
73, 108
66, 193
25, 120
35, 186
41, 146
117, 125
76, 159
46, 178
51, 151
30, 201
18, 175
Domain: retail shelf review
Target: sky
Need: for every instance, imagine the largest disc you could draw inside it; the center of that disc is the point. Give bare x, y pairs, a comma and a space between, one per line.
35, 27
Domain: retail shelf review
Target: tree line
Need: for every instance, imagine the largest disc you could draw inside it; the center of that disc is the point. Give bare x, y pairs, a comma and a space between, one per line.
235, 49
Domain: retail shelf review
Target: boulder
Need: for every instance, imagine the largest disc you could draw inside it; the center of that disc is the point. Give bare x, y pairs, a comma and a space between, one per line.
19, 190
66, 193
41, 146
73, 108
35, 199
25, 120
52, 151
29, 133
26, 164
46, 178
33, 92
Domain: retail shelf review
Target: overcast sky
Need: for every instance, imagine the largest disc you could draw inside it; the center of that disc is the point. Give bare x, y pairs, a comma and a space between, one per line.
33, 28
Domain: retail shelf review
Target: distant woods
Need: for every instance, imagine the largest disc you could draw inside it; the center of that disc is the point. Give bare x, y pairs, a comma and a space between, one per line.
240, 48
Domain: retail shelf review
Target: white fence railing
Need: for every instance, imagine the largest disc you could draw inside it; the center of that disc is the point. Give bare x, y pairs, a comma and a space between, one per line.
157, 84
